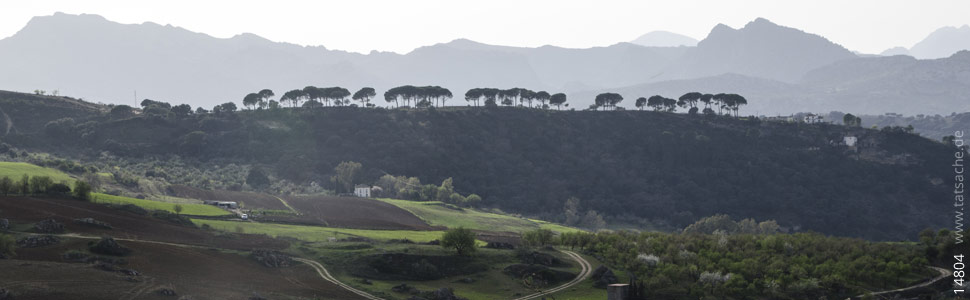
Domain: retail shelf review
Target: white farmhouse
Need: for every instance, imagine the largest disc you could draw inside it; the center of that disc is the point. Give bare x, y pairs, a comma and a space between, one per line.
813, 118
362, 191
850, 140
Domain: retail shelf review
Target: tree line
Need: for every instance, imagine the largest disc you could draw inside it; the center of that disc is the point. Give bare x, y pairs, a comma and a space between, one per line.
722, 101
509, 97
718, 257
428, 96
43, 185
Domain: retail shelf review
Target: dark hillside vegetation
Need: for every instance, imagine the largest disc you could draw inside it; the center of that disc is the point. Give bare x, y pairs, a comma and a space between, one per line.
653, 168
23, 113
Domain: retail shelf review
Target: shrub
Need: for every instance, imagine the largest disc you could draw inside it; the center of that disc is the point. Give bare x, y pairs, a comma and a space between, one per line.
109, 246
172, 217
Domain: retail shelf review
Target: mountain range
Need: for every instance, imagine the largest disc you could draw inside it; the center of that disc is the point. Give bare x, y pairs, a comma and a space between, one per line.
780, 70
941, 43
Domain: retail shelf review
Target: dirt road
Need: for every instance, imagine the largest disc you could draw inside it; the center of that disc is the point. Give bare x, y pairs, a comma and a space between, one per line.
583, 274
944, 273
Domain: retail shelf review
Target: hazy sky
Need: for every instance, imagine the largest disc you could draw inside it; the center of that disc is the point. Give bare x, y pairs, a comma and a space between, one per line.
868, 26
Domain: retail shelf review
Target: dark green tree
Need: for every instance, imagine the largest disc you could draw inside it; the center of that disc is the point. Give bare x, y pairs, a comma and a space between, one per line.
656, 102
264, 96
558, 100
6, 185
82, 190
538, 237
25, 185
542, 97
460, 239
473, 95
608, 100
257, 178
121, 112
182, 110
293, 97
8, 245
347, 174
251, 100
641, 102
364, 95
690, 100
40, 184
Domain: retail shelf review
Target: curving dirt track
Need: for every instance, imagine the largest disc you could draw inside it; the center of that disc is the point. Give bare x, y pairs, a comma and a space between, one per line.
326, 276
583, 274
193, 271
944, 273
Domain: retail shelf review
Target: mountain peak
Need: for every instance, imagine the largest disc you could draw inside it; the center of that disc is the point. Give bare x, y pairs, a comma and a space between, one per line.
61, 22
760, 22
722, 27
943, 42
763, 49
60, 18
250, 37
664, 39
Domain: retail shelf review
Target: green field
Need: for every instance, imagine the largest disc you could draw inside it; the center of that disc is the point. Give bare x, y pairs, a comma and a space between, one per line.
15, 170
317, 233
187, 209
441, 214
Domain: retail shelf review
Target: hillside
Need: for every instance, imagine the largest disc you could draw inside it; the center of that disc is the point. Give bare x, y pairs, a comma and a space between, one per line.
934, 127
653, 169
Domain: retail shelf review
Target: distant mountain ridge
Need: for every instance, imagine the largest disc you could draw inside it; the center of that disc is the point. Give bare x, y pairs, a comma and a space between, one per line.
761, 49
91, 57
939, 44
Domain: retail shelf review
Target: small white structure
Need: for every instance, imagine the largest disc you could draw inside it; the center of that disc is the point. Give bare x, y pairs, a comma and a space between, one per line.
813, 118
222, 204
850, 140
362, 191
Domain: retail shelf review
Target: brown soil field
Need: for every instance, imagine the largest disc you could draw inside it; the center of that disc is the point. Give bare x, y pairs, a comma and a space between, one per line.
197, 273
29, 210
250, 200
352, 212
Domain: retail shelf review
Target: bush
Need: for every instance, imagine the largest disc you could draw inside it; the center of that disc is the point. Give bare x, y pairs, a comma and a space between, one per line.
59, 189
39, 184
109, 246
171, 217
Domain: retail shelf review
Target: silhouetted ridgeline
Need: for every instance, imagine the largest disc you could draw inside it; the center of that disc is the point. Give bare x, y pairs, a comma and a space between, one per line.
670, 169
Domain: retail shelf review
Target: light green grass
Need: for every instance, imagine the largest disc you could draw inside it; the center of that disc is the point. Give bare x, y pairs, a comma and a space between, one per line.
317, 233
187, 209
555, 227
441, 214
15, 170
173, 199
